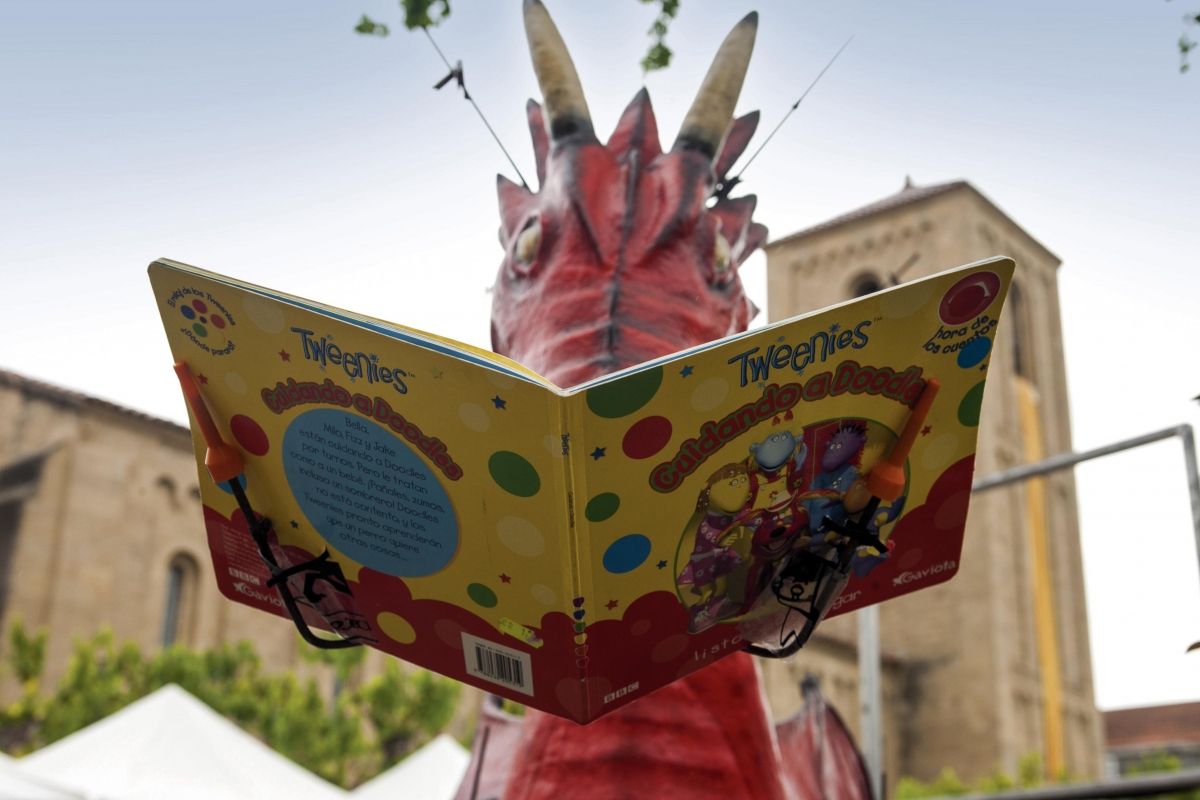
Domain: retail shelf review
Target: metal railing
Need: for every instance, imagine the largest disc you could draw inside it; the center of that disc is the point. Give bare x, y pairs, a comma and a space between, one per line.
1065, 460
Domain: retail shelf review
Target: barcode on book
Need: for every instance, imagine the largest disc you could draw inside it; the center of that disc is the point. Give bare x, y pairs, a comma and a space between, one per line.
498, 664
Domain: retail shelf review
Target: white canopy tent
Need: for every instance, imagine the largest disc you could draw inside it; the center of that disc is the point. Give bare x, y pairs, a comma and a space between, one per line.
15, 785
431, 773
169, 744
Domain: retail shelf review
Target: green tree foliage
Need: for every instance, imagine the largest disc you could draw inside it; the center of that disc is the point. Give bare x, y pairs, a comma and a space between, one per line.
1161, 761
428, 13
366, 725
1030, 773
947, 784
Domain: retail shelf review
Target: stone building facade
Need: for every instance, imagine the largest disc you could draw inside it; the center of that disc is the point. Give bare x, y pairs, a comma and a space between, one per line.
100, 525
994, 665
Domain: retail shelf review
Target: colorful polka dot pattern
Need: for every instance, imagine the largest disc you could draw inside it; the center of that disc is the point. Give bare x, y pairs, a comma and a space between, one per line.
969, 406
250, 435
646, 437
482, 595
627, 553
514, 474
623, 397
963, 302
969, 297
602, 506
197, 313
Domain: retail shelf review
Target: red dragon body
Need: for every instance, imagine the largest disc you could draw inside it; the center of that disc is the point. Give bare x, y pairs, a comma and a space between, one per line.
620, 257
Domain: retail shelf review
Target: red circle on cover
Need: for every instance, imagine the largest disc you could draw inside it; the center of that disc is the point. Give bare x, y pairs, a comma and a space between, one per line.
200, 306
218, 321
250, 435
969, 298
646, 437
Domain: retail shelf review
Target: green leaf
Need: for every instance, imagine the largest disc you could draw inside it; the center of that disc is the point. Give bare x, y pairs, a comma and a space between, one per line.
369, 27
657, 57
424, 13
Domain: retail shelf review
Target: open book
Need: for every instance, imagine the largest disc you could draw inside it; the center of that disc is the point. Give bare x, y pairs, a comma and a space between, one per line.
574, 549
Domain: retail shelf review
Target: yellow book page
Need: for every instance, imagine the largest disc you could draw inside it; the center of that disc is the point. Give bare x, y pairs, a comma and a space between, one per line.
703, 477
436, 482
500, 362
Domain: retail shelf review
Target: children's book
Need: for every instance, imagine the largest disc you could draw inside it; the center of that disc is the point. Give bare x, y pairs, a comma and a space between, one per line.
576, 548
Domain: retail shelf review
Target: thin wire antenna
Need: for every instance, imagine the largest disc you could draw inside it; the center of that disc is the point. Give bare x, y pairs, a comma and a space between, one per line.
737, 178
456, 75
903, 268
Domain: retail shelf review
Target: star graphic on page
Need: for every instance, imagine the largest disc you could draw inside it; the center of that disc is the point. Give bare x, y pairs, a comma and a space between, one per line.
598, 453
686, 371
505, 578
661, 564
499, 402
834, 328
202, 378
437, 374
285, 355
610, 605
295, 524
925, 431
983, 367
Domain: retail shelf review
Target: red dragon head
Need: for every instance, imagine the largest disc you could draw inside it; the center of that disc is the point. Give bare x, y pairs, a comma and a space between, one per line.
622, 256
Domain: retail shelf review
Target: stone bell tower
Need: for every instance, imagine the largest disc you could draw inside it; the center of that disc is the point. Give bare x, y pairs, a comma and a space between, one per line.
982, 671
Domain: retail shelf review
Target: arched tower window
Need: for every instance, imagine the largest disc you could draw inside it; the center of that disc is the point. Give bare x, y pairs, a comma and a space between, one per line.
1018, 314
19, 481
865, 284
183, 574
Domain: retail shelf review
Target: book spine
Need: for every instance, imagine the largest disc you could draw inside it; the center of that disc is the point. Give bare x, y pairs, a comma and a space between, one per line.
579, 578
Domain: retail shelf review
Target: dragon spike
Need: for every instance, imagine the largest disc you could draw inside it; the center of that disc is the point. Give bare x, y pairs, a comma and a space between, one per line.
735, 143
637, 130
565, 106
707, 120
541, 141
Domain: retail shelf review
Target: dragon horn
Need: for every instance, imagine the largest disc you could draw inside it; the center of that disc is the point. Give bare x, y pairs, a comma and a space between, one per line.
565, 106
707, 120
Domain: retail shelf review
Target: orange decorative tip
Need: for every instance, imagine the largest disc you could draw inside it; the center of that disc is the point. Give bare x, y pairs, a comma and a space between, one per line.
886, 480
223, 460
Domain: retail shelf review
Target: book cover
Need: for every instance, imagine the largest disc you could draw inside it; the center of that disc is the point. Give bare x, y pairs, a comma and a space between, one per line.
575, 548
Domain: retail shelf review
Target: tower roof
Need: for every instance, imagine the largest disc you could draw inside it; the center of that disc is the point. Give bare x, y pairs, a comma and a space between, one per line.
80, 401
910, 193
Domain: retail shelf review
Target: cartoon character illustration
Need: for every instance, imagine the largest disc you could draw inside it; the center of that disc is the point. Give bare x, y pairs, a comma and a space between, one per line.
839, 473
775, 480
720, 543
777, 519
841, 492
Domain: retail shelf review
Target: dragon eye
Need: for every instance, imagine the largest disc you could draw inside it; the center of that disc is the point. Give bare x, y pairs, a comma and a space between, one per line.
721, 257
528, 241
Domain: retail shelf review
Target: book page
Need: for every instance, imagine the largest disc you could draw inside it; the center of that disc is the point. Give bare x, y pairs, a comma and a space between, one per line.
441, 344
435, 482
711, 474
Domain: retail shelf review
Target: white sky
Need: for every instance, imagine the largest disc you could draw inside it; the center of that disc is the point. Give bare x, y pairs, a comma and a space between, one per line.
267, 141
